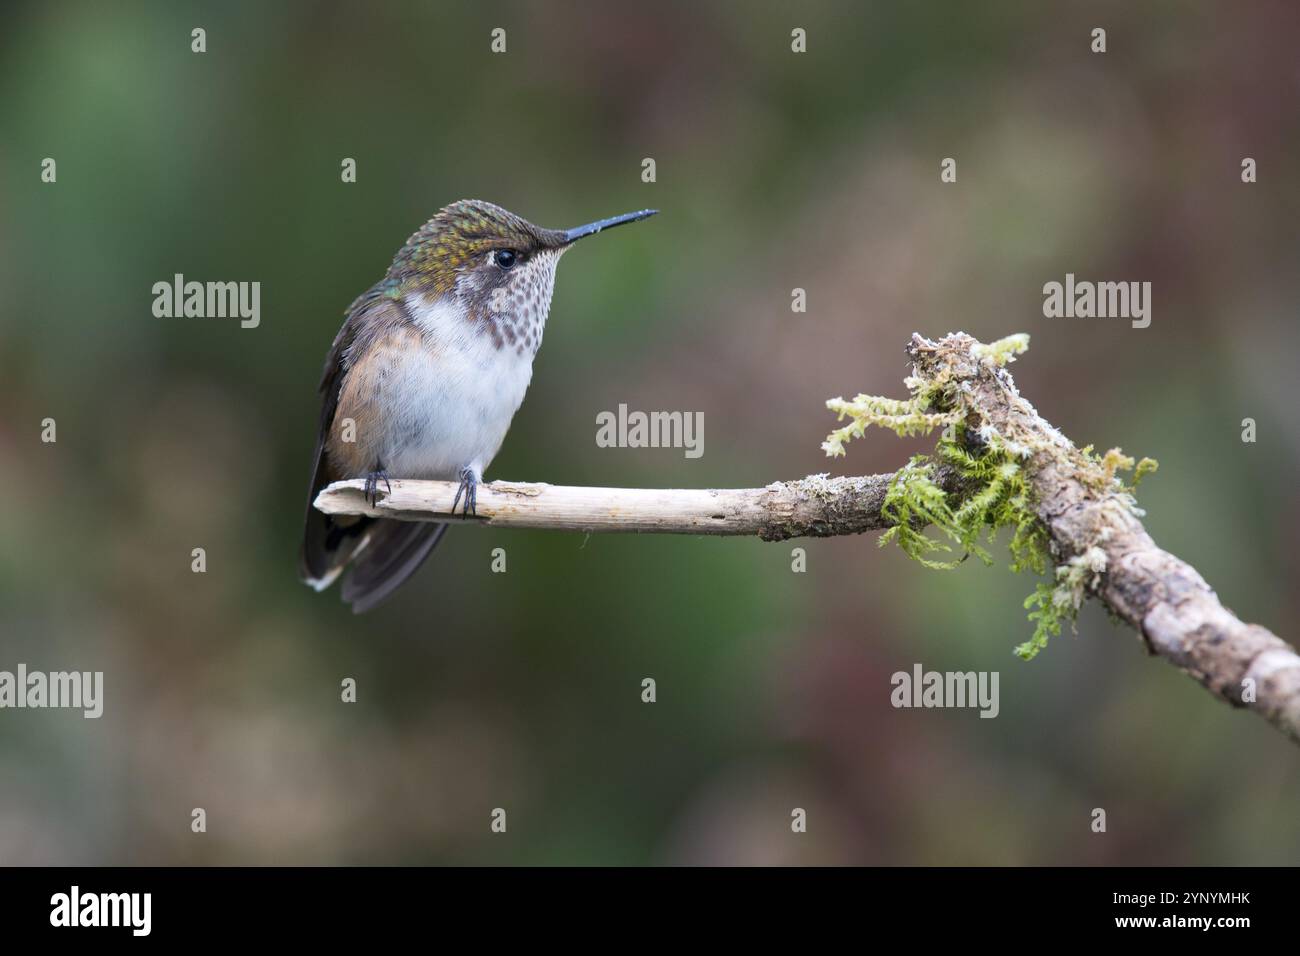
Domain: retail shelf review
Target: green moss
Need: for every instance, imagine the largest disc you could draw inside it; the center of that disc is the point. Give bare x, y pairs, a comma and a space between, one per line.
912, 501
995, 494
1147, 466
1003, 351
1052, 605
903, 418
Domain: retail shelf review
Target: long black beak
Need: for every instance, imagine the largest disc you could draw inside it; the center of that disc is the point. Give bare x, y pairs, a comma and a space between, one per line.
591, 228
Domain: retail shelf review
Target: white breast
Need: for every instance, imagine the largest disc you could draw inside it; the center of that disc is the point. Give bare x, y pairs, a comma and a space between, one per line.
449, 407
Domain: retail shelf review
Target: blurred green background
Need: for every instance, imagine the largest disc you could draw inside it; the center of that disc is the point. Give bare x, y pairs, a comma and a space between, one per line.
522, 690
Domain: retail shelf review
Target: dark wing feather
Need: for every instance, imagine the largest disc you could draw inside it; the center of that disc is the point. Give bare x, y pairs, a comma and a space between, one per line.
387, 551
328, 544
394, 551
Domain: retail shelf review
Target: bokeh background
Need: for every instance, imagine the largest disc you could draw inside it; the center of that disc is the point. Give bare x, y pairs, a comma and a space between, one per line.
522, 690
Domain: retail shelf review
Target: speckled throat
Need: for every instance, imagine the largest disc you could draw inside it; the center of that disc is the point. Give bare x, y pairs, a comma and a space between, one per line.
512, 310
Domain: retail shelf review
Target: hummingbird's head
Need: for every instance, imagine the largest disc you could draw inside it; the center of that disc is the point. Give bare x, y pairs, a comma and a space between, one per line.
498, 268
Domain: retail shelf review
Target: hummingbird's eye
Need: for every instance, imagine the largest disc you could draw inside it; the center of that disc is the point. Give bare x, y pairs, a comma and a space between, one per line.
505, 258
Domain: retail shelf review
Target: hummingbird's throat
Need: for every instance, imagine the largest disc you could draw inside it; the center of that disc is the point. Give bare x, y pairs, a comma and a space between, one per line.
511, 306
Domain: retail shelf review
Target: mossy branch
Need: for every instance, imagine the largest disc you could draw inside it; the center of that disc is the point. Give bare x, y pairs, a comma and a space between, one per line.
997, 466
1067, 509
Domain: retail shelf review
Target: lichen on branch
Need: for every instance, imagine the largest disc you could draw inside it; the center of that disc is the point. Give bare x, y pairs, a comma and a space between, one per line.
994, 467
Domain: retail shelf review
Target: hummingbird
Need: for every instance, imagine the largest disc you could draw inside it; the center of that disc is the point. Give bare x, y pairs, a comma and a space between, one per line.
423, 379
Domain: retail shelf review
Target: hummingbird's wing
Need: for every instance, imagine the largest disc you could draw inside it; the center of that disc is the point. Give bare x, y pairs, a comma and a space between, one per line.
327, 544
384, 552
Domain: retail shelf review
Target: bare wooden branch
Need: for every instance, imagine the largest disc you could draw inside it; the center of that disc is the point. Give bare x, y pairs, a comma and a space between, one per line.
1162, 597
817, 506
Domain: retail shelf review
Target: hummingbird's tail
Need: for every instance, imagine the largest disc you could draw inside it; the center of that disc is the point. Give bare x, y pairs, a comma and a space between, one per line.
392, 552
382, 552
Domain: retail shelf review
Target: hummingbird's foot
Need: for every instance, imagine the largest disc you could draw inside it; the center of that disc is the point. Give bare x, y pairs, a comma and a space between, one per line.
373, 479
468, 488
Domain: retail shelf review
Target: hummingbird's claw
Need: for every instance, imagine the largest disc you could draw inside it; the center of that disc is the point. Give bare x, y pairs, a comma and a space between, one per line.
373, 479
468, 488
